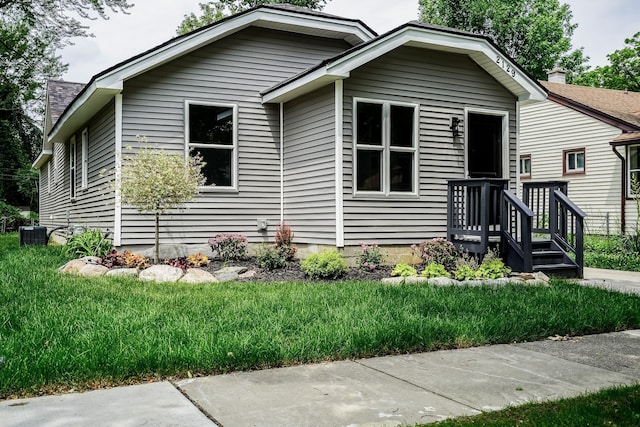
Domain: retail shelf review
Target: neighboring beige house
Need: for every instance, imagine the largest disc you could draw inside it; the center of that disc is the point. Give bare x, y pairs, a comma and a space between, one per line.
589, 137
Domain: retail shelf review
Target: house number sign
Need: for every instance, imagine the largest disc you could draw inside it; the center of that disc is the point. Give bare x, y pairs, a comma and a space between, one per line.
506, 66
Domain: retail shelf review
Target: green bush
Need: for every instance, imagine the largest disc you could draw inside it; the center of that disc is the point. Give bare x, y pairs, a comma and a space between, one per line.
492, 269
464, 272
435, 270
619, 261
271, 257
89, 243
404, 270
325, 265
14, 218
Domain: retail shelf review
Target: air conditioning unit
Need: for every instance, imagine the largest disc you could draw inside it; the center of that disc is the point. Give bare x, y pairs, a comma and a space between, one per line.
34, 235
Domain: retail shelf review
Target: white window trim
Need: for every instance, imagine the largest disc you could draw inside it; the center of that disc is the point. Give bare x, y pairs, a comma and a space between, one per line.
386, 149
73, 158
506, 167
576, 170
84, 173
234, 147
49, 167
524, 157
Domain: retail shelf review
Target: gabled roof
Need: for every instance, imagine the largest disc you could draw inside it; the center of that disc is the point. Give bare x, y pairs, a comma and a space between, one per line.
618, 108
480, 49
59, 95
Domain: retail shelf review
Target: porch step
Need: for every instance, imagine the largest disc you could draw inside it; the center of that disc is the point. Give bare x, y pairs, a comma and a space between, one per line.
557, 269
548, 256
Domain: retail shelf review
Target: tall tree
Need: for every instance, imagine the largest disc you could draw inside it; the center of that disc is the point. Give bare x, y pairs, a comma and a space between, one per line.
213, 11
623, 71
30, 33
535, 33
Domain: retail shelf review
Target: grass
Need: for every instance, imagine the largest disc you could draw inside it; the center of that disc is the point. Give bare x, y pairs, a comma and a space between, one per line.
613, 407
59, 332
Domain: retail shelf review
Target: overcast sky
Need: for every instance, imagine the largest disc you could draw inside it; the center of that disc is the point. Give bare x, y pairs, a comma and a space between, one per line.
603, 26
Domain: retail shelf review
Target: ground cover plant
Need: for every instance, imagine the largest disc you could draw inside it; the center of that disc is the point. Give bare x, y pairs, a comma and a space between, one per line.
614, 252
60, 332
613, 407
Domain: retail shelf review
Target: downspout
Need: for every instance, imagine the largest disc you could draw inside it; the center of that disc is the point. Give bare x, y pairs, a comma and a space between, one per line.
281, 163
623, 192
117, 219
339, 165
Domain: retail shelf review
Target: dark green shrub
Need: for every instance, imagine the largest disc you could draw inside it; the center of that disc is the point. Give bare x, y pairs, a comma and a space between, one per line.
271, 257
325, 265
14, 218
89, 243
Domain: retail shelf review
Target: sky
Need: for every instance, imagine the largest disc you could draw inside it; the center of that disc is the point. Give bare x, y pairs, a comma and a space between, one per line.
602, 27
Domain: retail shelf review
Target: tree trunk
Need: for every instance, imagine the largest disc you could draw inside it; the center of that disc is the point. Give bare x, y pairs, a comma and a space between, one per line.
157, 248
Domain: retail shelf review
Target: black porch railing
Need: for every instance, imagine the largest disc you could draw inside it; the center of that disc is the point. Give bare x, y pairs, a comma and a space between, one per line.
517, 226
537, 196
567, 228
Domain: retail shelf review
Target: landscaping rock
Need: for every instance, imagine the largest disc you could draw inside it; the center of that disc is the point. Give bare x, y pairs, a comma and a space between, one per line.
161, 273
226, 276
472, 283
91, 270
195, 276
123, 272
537, 282
72, 267
393, 280
415, 280
236, 270
248, 275
90, 259
443, 281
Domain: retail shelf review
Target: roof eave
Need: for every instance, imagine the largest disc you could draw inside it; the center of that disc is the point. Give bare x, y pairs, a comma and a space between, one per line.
42, 158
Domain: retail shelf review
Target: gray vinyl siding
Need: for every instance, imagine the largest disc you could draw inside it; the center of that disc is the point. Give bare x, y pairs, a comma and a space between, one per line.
94, 206
232, 71
309, 165
443, 85
549, 128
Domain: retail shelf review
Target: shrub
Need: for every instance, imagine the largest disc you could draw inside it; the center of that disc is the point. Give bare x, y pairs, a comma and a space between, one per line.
134, 260
112, 259
284, 241
492, 267
370, 258
271, 257
229, 247
435, 270
404, 270
89, 243
325, 265
438, 251
464, 272
197, 260
14, 218
180, 262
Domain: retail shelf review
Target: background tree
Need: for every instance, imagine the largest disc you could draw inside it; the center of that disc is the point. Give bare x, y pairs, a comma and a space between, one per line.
213, 11
154, 182
30, 33
535, 33
623, 71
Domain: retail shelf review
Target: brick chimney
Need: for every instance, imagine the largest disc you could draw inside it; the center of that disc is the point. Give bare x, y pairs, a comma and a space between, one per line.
557, 75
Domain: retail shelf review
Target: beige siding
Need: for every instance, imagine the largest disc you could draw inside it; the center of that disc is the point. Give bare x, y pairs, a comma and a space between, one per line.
549, 128
234, 70
443, 85
309, 165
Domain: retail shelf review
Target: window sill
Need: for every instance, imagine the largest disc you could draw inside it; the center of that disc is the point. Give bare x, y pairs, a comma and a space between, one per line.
229, 190
382, 196
574, 173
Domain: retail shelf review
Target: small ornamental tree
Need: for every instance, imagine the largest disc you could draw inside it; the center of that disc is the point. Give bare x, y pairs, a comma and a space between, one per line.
154, 181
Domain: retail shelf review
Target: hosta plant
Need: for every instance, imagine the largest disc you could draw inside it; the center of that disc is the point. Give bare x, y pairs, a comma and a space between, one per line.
404, 270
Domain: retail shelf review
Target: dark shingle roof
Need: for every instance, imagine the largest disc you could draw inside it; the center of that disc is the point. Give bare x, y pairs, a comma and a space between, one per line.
619, 104
59, 95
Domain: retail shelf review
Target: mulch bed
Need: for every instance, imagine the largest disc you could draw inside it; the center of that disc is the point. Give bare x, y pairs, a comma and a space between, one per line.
293, 272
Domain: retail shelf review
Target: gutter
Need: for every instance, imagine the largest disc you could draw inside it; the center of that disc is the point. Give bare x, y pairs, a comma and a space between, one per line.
623, 192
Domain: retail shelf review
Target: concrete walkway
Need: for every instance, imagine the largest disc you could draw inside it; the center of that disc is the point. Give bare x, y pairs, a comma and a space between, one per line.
384, 391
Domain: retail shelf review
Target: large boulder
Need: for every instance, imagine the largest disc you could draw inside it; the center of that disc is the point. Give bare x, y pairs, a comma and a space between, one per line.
91, 270
122, 272
161, 273
195, 276
72, 267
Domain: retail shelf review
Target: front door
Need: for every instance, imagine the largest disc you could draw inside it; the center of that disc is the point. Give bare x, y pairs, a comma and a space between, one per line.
484, 145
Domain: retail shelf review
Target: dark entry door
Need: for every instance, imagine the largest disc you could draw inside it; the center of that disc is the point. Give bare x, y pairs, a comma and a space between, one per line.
484, 154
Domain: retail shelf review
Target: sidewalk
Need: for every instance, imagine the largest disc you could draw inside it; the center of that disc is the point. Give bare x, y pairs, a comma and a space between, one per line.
384, 391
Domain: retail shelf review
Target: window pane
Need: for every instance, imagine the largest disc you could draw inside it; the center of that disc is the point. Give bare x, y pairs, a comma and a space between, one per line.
369, 168
218, 167
580, 161
633, 157
402, 171
210, 124
401, 126
369, 123
571, 161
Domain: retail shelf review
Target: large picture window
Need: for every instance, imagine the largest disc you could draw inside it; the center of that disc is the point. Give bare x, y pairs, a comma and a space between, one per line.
386, 147
211, 132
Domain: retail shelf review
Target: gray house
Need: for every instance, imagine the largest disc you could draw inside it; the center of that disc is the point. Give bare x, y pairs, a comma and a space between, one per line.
302, 117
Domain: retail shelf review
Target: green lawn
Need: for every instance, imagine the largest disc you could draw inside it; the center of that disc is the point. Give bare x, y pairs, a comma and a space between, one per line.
58, 332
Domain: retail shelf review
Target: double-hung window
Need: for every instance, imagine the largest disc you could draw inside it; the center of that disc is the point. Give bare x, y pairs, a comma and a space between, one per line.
574, 161
633, 166
72, 167
212, 133
525, 166
386, 159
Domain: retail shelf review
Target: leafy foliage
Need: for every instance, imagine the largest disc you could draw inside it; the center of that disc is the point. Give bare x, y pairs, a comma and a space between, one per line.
229, 247
325, 265
180, 262
284, 241
438, 250
535, 33
370, 258
404, 270
623, 71
14, 218
112, 259
464, 272
213, 11
435, 270
270, 257
89, 243
197, 260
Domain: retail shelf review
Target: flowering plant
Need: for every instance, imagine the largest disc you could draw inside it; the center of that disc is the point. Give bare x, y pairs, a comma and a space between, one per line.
229, 247
370, 258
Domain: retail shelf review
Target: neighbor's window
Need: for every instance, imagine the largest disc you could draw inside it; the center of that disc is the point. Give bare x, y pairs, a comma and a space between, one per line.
72, 167
84, 172
211, 132
386, 147
574, 161
633, 165
525, 166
